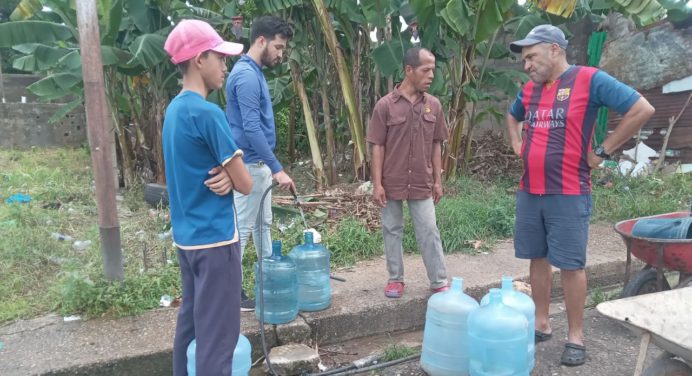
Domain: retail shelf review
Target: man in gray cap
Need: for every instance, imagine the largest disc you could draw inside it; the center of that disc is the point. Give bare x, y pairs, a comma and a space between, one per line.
551, 124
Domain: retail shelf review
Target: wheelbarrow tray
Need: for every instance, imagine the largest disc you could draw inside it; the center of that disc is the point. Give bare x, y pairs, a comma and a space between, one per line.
665, 315
677, 253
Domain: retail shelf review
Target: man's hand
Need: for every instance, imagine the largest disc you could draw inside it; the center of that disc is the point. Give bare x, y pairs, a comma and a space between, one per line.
379, 197
516, 146
285, 182
594, 160
220, 183
437, 192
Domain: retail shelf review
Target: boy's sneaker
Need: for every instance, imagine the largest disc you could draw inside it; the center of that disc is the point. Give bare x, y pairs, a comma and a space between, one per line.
246, 304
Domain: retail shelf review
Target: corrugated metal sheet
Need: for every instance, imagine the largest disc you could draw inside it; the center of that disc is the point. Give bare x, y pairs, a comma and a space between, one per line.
653, 133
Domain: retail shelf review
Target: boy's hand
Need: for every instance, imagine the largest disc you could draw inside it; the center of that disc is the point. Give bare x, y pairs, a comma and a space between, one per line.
220, 183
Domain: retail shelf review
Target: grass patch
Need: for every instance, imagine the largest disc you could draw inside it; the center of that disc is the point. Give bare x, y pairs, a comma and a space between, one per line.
474, 211
397, 351
39, 273
598, 296
633, 197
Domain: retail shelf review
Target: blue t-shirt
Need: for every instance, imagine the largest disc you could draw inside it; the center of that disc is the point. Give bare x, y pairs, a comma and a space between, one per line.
196, 138
250, 113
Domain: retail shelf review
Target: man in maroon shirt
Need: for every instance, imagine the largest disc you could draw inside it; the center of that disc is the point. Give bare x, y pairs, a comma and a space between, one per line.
558, 109
405, 134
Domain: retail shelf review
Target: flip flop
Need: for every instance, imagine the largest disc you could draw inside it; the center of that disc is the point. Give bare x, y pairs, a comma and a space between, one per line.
574, 355
542, 337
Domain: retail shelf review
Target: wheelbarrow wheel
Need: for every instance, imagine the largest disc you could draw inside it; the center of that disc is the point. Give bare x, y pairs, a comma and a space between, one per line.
643, 282
668, 367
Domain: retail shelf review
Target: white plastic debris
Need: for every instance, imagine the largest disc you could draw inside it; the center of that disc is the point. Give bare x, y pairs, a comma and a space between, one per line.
164, 235
81, 245
141, 235
71, 318
316, 237
642, 155
165, 301
365, 188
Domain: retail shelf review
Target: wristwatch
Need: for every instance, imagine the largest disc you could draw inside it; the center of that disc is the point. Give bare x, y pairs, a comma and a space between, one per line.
600, 152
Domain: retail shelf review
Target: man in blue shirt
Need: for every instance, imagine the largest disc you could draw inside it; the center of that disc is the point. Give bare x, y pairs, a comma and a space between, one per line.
251, 117
196, 139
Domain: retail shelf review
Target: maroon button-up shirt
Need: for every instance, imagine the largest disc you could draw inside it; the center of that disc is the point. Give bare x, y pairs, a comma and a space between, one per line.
407, 131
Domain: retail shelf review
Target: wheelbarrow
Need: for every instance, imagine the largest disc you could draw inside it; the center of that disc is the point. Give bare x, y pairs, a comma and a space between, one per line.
662, 318
660, 255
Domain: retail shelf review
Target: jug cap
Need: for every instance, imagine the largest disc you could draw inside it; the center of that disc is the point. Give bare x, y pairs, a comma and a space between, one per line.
308, 237
457, 283
507, 283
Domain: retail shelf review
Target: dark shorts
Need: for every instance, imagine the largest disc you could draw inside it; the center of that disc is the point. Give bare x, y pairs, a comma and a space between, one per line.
555, 227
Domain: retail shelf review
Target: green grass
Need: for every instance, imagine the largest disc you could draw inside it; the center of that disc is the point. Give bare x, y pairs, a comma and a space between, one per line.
397, 351
598, 296
636, 197
39, 274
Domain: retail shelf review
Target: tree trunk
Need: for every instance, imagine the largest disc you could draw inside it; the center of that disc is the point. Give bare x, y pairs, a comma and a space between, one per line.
309, 124
355, 124
331, 152
292, 131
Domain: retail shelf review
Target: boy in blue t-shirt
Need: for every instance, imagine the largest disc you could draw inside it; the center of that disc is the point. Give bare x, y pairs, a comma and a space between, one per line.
197, 139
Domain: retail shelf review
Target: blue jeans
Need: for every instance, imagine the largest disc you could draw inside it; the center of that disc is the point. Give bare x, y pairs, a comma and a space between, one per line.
247, 207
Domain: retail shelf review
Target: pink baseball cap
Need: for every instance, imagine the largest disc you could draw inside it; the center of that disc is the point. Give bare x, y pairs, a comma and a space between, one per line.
192, 37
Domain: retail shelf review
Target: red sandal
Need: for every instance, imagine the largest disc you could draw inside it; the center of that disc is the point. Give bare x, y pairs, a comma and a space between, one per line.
394, 290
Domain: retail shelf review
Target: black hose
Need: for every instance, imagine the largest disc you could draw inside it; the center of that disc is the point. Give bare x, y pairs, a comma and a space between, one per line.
349, 370
260, 224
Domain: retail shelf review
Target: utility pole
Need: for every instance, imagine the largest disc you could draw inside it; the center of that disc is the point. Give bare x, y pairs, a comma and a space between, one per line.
100, 132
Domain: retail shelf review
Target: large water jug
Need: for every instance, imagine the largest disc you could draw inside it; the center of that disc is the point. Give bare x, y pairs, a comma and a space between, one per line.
445, 343
280, 285
242, 358
497, 339
522, 303
312, 267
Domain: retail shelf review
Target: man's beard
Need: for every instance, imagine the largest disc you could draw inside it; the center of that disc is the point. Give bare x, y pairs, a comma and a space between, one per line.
264, 59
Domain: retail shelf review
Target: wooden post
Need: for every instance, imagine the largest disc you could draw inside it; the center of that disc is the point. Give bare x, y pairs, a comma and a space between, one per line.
100, 132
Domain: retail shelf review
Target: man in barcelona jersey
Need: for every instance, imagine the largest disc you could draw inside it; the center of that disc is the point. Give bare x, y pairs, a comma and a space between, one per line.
551, 125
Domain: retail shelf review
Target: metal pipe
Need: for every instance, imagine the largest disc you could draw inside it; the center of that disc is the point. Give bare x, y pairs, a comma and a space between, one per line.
100, 132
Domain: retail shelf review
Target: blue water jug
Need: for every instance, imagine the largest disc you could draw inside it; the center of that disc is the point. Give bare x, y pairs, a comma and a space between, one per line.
663, 228
280, 285
497, 338
312, 268
445, 343
242, 358
522, 303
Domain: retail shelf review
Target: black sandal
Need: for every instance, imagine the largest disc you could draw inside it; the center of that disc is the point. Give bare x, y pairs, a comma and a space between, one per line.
574, 355
542, 337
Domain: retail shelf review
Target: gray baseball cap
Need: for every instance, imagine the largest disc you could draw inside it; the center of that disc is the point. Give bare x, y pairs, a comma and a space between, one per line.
540, 34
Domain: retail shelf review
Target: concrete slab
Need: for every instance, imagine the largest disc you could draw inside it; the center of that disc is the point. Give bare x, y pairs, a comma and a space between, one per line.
142, 345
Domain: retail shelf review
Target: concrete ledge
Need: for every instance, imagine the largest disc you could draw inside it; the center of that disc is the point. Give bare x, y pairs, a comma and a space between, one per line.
142, 345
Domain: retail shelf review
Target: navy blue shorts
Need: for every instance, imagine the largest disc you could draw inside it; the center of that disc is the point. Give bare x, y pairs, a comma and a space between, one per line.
555, 227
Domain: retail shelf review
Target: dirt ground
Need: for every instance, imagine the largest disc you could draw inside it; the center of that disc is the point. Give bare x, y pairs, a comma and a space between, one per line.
611, 350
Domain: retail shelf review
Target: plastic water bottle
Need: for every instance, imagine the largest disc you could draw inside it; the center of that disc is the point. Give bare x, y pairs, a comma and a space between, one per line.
445, 343
61, 237
242, 358
497, 339
522, 303
280, 287
312, 263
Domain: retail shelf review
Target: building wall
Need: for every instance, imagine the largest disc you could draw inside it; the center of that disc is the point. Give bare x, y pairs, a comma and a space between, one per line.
23, 125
